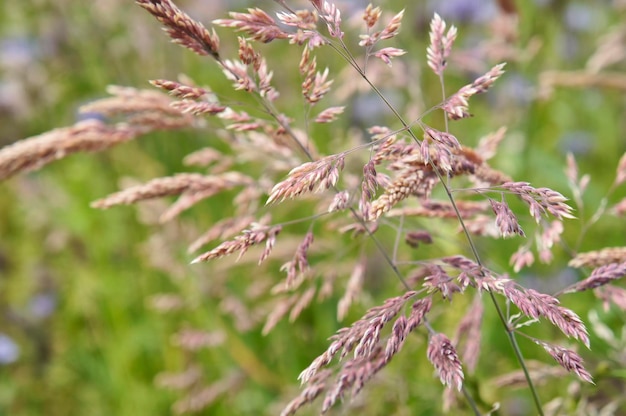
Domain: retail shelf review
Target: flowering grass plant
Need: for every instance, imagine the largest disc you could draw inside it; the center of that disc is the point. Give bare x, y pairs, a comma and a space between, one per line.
384, 200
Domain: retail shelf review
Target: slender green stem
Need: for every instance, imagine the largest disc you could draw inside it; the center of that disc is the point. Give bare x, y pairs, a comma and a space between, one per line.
518, 354
470, 400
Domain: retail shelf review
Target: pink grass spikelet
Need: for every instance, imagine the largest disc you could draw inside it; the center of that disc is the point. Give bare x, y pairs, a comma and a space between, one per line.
247, 55
569, 360
315, 387
253, 236
330, 114
440, 44
393, 27
523, 257
371, 15
599, 277
505, 219
398, 335
332, 16
446, 139
386, 54
85, 136
319, 87
457, 105
419, 309
299, 264
368, 188
353, 289
302, 19
536, 305
179, 381
308, 177
408, 183
611, 294
601, 257
340, 201
237, 72
363, 334
439, 280
256, 23
223, 229
541, 201
470, 331
179, 90
414, 238
462, 263
488, 145
192, 187
442, 354
197, 108
270, 241
302, 303
182, 28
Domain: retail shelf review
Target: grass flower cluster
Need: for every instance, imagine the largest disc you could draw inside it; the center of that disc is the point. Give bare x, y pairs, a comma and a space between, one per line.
324, 208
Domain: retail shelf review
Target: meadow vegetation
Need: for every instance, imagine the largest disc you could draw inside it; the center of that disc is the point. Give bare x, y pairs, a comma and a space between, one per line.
312, 207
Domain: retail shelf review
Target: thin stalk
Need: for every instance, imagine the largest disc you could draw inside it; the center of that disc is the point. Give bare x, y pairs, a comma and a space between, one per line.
518, 354
473, 248
397, 242
470, 400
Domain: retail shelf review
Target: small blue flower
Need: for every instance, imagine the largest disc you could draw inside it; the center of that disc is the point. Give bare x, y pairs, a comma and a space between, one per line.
9, 350
42, 305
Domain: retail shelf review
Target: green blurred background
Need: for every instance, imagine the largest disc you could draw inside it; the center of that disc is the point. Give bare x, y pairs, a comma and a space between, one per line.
79, 330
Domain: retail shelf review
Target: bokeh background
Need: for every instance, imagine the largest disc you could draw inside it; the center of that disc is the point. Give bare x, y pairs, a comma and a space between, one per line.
99, 310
